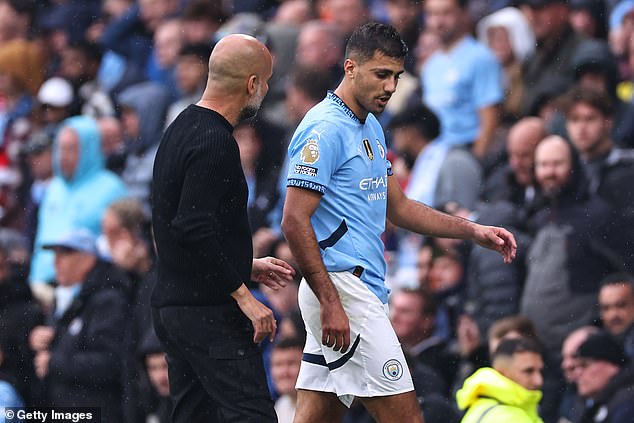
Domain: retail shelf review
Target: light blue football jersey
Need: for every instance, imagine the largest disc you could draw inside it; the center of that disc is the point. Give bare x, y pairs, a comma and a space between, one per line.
332, 152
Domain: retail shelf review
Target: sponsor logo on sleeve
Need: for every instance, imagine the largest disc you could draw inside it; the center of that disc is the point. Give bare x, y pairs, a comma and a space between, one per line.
305, 170
310, 152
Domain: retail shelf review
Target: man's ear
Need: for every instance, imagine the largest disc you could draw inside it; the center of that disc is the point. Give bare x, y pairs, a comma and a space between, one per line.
349, 67
252, 85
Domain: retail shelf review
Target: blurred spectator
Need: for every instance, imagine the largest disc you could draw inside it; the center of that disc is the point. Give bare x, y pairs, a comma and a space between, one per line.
56, 98
320, 47
348, 15
155, 364
70, 199
191, 77
285, 360
589, 18
161, 67
261, 178
80, 64
143, 110
556, 46
621, 25
515, 181
462, 81
428, 43
569, 254
16, 18
413, 316
21, 74
39, 155
605, 381
78, 355
616, 305
596, 69
569, 409
406, 17
494, 288
294, 12
508, 34
508, 392
589, 120
201, 20
19, 314
439, 174
112, 143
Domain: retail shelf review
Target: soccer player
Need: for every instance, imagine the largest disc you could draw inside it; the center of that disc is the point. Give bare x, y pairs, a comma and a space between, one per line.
339, 194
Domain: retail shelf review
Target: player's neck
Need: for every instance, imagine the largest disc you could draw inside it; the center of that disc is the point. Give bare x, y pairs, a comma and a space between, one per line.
345, 94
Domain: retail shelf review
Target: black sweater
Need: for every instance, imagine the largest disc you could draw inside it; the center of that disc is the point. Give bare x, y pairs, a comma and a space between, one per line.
199, 212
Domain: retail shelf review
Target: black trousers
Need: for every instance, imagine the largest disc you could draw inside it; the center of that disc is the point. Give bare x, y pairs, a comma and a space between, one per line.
216, 372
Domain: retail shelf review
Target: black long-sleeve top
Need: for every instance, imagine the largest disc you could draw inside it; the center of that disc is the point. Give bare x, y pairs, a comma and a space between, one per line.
199, 212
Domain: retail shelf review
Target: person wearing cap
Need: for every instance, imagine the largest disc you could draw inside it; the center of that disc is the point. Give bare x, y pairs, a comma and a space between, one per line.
78, 355
510, 390
55, 97
605, 381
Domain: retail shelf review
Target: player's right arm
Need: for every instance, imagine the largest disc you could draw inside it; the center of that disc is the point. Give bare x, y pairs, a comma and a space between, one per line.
299, 206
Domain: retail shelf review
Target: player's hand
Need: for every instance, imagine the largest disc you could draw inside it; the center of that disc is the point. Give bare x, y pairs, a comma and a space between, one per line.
261, 316
272, 272
40, 337
335, 326
498, 239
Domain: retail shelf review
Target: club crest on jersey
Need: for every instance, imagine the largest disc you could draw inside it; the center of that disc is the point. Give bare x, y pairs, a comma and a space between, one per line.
393, 369
310, 152
368, 149
381, 149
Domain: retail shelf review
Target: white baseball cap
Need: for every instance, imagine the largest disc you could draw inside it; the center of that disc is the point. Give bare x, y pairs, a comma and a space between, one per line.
56, 91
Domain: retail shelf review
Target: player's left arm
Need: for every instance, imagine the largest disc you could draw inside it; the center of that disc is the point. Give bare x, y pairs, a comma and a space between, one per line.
417, 217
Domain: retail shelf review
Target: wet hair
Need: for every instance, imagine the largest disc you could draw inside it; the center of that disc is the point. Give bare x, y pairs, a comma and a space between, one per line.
593, 98
509, 347
374, 37
421, 117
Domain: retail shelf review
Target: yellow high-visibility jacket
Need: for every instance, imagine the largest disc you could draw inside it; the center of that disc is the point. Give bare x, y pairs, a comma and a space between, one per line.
490, 397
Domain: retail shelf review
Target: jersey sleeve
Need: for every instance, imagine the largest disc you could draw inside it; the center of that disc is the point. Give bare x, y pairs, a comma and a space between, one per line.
312, 158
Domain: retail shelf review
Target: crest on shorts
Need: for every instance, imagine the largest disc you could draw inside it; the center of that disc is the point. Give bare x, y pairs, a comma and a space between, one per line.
368, 149
393, 369
310, 152
381, 149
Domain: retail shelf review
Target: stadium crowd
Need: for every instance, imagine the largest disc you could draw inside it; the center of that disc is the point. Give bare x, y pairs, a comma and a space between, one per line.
510, 113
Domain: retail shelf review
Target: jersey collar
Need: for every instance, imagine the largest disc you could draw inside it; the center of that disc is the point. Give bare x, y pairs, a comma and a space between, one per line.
339, 102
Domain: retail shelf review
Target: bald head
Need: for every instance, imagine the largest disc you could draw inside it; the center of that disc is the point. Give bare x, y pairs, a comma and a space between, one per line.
553, 164
239, 69
520, 146
237, 58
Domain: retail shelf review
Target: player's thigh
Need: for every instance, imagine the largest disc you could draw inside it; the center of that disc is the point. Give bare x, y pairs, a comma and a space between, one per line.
399, 408
318, 407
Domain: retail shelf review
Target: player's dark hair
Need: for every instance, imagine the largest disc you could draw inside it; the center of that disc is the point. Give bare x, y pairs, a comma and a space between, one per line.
375, 37
420, 117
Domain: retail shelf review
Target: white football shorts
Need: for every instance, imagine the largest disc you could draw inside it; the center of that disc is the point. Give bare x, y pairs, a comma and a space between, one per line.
373, 365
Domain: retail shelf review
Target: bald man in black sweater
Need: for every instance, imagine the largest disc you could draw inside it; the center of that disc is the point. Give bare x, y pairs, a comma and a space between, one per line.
206, 318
